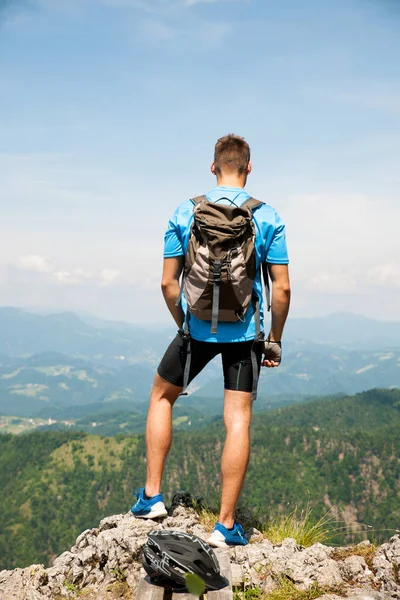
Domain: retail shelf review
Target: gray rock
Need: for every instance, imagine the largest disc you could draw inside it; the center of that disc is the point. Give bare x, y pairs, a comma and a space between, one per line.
313, 565
181, 518
254, 536
112, 521
355, 569
76, 574
110, 555
89, 556
386, 565
83, 539
24, 584
366, 594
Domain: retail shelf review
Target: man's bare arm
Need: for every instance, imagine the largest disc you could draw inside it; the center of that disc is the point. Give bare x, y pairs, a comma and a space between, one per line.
170, 287
280, 302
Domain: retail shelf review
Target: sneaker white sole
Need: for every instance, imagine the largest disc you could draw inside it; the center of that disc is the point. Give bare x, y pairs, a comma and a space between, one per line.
158, 510
217, 540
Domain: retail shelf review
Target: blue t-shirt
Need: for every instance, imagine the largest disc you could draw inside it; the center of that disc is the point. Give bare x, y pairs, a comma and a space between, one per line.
270, 246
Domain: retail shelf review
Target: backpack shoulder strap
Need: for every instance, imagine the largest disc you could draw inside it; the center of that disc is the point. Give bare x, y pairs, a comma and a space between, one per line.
198, 200
252, 203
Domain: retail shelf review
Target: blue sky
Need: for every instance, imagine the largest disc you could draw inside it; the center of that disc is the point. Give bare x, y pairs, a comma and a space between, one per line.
109, 111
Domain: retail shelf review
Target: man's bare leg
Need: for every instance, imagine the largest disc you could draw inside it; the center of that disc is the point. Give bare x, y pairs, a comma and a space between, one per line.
159, 431
236, 453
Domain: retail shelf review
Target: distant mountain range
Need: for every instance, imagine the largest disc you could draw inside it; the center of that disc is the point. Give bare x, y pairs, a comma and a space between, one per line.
60, 364
23, 333
344, 331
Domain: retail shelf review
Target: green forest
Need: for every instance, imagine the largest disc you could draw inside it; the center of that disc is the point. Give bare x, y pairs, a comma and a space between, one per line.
341, 453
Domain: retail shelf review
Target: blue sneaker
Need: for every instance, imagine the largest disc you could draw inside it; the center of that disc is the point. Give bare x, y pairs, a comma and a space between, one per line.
148, 509
222, 537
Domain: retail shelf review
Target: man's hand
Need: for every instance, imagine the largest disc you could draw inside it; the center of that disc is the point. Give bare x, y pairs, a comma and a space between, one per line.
272, 354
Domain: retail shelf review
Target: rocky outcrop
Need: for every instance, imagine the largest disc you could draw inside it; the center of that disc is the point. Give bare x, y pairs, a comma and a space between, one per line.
106, 563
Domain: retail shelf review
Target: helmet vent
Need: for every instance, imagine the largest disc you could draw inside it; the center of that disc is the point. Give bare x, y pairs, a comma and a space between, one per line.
199, 564
176, 549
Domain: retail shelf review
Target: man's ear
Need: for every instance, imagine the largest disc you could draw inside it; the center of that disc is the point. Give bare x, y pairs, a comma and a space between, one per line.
249, 167
212, 168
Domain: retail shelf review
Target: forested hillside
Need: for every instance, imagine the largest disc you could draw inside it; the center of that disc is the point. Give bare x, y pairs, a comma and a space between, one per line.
341, 452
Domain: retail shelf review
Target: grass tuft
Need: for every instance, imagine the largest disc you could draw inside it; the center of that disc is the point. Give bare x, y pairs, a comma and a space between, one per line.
207, 517
71, 587
248, 594
119, 574
301, 526
286, 590
367, 551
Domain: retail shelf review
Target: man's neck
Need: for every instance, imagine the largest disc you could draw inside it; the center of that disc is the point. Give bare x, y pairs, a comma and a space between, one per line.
231, 181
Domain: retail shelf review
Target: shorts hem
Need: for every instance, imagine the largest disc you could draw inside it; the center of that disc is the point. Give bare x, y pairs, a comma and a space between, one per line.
169, 379
234, 389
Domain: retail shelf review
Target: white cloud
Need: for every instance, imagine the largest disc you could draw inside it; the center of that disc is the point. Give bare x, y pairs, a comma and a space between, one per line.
327, 232
109, 276
342, 245
343, 283
150, 284
37, 268
385, 275
74, 277
33, 262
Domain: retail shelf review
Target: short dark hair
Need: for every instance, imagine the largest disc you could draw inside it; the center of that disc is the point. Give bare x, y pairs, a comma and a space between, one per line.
232, 153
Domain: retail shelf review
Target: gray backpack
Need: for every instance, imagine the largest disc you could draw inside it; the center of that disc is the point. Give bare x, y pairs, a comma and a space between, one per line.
220, 262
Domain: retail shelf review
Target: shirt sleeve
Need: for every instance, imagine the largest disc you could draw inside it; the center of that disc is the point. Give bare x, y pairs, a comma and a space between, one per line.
173, 239
277, 253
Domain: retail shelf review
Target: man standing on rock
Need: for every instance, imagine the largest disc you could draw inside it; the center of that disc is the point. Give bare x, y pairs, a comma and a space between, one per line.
220, 243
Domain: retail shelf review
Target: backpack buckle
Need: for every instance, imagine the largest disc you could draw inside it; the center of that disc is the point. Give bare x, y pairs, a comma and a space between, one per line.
217, 272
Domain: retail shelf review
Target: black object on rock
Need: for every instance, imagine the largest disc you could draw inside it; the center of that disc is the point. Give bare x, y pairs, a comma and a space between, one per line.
169, 555
183, 498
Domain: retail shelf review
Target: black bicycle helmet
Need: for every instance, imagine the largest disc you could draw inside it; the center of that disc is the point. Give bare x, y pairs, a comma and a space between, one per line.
169, 555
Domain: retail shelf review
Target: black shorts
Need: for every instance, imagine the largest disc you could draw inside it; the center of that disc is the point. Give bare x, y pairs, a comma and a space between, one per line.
236, 361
